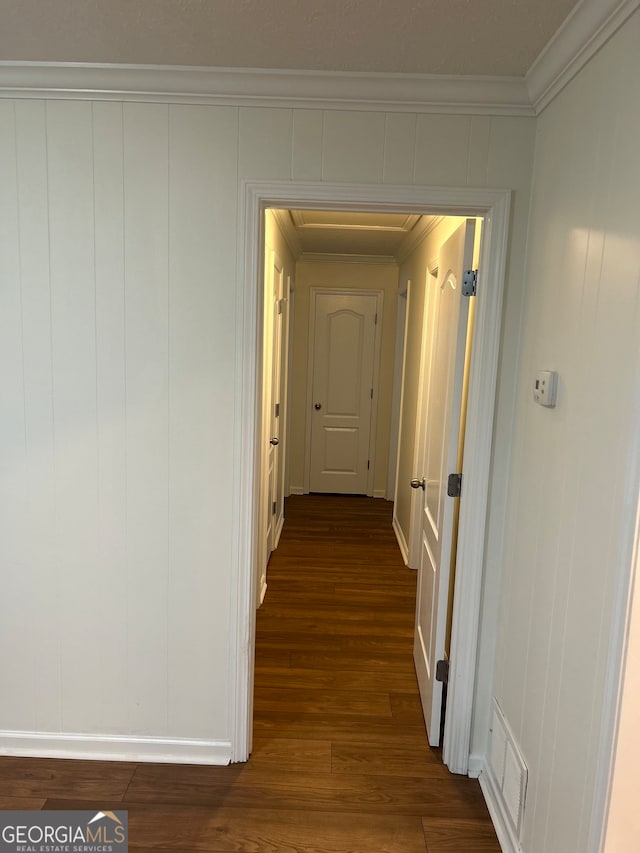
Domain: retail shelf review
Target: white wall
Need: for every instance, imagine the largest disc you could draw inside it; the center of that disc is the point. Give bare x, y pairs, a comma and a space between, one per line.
623, 824
355, 276
569, 498
118, 248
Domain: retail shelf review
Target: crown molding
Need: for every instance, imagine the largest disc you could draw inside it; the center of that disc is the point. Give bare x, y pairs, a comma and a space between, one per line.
589, 26
288, 231
337, 258
418, 93
583, 33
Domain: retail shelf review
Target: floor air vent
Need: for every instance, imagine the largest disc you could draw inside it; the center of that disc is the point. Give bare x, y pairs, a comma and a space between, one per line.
508, 769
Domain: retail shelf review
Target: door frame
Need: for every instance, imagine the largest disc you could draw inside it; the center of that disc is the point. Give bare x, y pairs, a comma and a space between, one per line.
313, 294
494, 206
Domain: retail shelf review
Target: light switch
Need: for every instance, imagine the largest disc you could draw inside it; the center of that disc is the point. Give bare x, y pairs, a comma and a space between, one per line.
544, 389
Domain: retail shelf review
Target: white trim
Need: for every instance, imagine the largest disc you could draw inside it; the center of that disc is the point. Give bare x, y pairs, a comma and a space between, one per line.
473, 503
296, 490
114, 748
337, 258
465, 201
506, 838
416, 93
402, 542
589, 26
476, 765
278, 533
379, 493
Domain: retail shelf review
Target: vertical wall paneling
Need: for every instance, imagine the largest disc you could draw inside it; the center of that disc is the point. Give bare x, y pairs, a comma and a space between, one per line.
353, 146
442, 150
478, 151
128, 484
14, 602
399, 148
147, 400
306, 162
568, 515
266, 139
509, 164
201, 382
110, 585
73, 313
40, 555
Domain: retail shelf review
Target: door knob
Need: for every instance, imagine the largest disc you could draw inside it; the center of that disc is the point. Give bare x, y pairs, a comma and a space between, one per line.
274, 441
418, 484
317, 406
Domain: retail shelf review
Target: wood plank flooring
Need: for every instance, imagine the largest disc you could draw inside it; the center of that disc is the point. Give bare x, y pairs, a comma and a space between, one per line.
341, 762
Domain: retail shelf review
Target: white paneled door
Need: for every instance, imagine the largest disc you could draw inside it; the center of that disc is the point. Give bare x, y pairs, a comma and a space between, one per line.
439, 431
274, 416
343, 358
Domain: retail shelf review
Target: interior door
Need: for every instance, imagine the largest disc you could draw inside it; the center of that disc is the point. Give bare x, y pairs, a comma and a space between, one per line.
448, 313
343, 352
275, 508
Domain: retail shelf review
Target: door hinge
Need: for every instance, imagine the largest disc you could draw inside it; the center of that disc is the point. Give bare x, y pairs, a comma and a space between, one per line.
442, 671
273, 508
368, 463
371, 395
454, 485
277, 410
469, 282
280, 305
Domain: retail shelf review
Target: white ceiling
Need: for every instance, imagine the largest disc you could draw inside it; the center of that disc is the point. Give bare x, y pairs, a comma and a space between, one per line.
347, 233
464, 37
321, 231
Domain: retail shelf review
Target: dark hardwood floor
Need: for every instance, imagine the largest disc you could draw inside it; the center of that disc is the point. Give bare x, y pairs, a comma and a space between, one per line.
341, 762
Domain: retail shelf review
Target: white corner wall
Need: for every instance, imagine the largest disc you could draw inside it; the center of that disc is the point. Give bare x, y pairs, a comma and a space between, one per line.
571, 502
118, 446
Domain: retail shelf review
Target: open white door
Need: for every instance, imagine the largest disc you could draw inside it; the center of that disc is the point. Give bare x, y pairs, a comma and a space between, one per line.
447, 314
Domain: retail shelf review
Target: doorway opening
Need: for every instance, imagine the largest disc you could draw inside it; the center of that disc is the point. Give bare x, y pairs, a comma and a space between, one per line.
493, 207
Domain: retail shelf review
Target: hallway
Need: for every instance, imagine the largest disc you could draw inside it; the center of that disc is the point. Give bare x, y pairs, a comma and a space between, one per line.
340, 762
336, 699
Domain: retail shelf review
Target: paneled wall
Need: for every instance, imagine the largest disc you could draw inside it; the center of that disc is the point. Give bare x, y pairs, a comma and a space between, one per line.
118, 247
571, 507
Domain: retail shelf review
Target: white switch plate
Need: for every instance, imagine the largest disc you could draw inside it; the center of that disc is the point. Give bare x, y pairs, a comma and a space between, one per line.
544, 388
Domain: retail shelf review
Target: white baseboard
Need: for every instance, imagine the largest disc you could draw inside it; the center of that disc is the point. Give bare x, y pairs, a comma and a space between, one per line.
278, 532
402, 542
263, 591
115, 748
380, 493
476, 765
507, 840
296, 490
